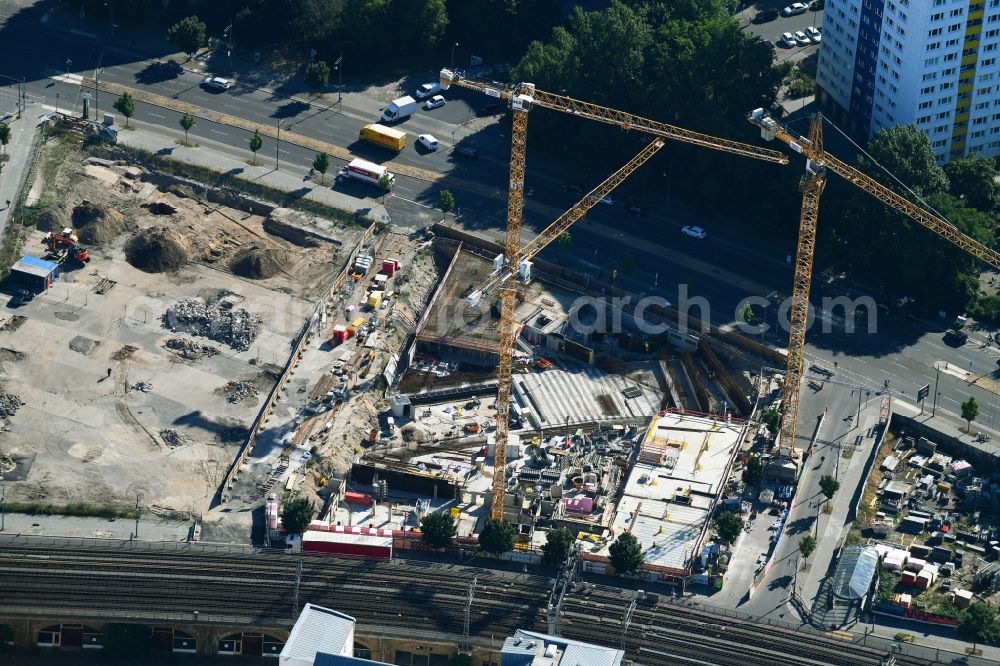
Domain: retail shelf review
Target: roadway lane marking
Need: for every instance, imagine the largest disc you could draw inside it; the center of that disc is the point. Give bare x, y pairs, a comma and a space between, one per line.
156, 115
412, 202
217, 131
898, 365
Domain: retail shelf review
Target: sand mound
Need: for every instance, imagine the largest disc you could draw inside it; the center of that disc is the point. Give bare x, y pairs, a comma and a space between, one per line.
157, 250
259, 263
55, 217
96, 224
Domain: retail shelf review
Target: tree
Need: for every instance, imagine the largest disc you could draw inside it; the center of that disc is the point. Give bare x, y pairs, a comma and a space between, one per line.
256, 143
772, 419
565, 240
4, 136
747, 314
497, 537
187, 121
753, 471
125, 106
385, 184
446, 202
970, 410
188, 35
728, 525
296, 512
317, 74
127, 640
321, 164
978, 624
906, 153
556, 548
437, 529
973, 179
829, 486
807, 545
626, 554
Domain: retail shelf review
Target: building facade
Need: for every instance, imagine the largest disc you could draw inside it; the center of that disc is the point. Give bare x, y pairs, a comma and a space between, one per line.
932, 63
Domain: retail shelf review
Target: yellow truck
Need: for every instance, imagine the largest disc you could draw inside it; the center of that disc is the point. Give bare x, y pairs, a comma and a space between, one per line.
383, 136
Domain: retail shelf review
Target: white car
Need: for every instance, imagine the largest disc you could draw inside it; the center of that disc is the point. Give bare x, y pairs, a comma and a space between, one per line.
218, 83
795, 9
694, 232
814, 35
607, 201
434, 102
801, 39
428, 141
787, 39
427, 90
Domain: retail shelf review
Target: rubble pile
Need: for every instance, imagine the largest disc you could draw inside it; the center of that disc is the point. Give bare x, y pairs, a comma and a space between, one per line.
9, 404
145, 387
190, 349
124, 353
240, 391
234, 327
171, 437
7, 465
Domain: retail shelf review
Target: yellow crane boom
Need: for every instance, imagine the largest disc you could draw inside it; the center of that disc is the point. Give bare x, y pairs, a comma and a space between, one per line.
818, 162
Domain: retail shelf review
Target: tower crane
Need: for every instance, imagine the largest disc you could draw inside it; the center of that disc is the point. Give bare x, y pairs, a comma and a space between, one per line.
522, 97
818, 162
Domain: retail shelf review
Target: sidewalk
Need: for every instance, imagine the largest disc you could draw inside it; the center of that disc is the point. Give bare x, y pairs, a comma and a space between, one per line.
150, 529
165, 143
14, 169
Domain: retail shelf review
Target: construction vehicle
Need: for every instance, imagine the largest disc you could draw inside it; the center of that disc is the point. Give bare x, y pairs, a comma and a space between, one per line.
818, 162
516, 260
66, 246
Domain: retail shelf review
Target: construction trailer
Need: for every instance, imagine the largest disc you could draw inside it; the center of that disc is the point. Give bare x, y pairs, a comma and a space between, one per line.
34, 274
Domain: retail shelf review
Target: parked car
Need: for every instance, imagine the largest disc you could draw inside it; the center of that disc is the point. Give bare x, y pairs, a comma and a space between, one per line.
795, 9
694, 232
492, 108
217, 83
435, 102
468, 152
427, 90
817, 5
765, 15
787, 39
956, 338
20, 297
428, 141
814, 35
801, 39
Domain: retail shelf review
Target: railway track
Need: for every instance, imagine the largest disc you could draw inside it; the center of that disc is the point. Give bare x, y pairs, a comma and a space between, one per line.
260, 586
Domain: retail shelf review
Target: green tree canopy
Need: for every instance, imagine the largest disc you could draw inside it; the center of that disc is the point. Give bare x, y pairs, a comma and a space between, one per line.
973, 179
772, 419
970, 410
565, 240
829, 486
317, 74
753, 471
187, 121
728, 525
497, 537
4, 136
256, 143
807, 545
626, 554
296, 513
437, 529
188, 35
321, 164
125, 105
978, 624
446, 202
555, 550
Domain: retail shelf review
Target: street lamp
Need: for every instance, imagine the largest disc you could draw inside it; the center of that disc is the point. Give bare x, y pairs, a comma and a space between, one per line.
453, 54
340, 77
277, 149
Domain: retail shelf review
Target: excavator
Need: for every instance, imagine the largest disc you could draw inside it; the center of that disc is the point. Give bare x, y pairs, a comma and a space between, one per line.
66, 246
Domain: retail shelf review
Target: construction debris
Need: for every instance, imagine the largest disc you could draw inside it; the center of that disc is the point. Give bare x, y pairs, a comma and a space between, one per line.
235, 328
9, 404
190, 349
240, 391
145, 387
171, 437
124, 353
13, 323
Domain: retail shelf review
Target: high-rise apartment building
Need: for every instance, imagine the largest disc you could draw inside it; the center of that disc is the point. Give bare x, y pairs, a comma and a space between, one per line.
933, 63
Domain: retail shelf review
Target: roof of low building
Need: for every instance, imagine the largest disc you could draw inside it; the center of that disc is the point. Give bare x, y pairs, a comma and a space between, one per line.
325, 659
34, 266
528, 648
855, 571
316, 630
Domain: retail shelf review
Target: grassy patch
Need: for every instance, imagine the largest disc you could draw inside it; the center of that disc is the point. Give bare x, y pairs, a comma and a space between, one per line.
75, 509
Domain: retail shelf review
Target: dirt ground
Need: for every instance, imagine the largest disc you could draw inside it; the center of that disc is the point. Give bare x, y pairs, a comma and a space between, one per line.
119, 399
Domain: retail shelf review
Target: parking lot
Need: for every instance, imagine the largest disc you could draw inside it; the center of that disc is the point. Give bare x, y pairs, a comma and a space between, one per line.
771, 31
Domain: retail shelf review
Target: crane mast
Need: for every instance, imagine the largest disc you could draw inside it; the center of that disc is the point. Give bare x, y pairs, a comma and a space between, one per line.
818, 162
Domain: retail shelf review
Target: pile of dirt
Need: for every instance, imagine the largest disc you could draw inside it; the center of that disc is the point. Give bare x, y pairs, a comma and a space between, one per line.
189, 349
157, 250
97, 225
13, 323
124, 353
54, 217
258, 263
